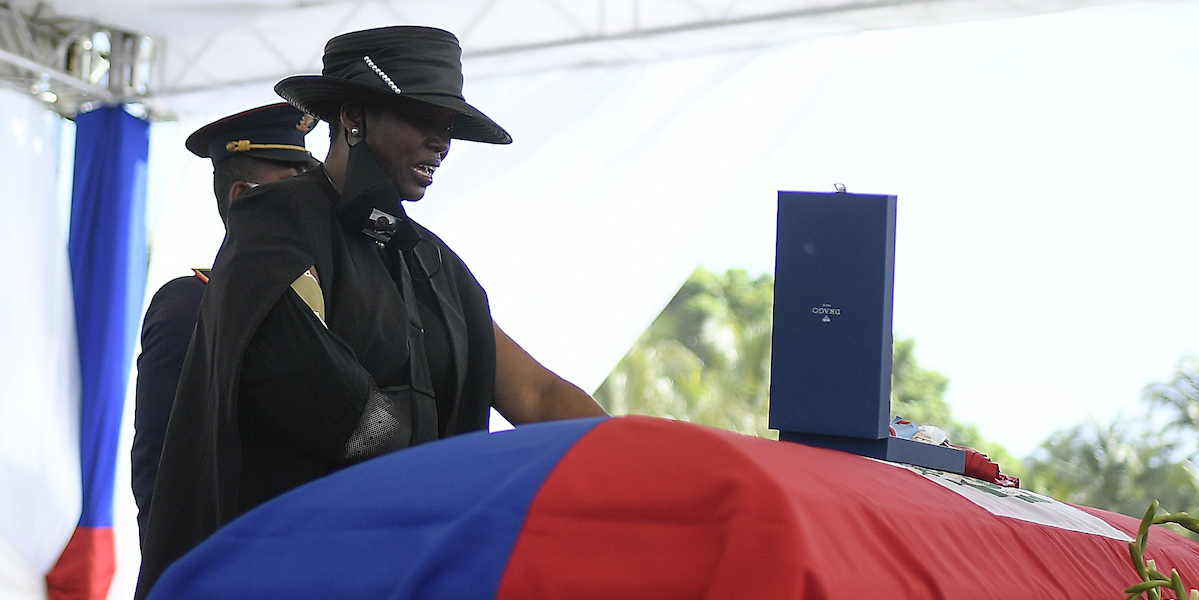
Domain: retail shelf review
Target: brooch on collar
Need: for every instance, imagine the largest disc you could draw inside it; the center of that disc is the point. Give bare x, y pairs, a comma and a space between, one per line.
380, 226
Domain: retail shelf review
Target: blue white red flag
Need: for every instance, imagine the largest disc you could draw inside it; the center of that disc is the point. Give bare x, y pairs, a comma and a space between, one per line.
635, 507
107, 253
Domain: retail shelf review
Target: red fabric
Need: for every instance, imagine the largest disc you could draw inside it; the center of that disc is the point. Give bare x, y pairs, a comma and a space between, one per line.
85, 569
648, 508
979, 466
1168, 549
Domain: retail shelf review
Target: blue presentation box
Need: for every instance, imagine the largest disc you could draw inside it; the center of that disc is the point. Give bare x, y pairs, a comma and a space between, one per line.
830, 378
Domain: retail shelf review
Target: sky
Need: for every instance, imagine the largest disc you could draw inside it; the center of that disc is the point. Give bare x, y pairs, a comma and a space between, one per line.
1043, 168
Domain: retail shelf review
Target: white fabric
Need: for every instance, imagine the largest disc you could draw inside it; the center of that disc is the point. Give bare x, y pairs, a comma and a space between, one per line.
213, 44
19, 580
1023, 505
39, 381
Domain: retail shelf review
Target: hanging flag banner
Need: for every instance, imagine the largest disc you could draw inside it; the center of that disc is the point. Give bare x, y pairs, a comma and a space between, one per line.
108, 255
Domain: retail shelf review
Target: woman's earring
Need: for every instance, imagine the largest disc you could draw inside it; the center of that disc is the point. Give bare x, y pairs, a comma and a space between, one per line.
354, 131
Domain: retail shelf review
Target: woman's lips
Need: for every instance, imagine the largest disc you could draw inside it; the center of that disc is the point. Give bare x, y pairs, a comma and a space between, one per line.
424, 172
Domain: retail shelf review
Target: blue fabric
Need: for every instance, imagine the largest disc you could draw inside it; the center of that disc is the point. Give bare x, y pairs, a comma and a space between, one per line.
435, 521
108, 256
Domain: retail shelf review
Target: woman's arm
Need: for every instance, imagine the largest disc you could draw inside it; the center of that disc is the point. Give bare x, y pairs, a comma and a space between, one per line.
300, 383
527, 392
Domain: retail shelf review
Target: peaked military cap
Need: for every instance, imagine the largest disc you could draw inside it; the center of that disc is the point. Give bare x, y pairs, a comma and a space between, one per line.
273, 132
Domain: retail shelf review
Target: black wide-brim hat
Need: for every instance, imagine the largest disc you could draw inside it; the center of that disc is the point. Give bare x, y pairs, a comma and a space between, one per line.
415, 63
274, 132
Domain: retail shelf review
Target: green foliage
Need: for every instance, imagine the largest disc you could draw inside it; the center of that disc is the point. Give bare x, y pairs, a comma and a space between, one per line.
706, 359
1120, 467
1179, 398
916, 394
710, 344
1127, 464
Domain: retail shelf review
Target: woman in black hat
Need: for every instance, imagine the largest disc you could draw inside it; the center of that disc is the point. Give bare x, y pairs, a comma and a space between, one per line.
335, 328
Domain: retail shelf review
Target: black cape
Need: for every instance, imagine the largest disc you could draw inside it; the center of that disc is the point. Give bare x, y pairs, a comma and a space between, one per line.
275, 234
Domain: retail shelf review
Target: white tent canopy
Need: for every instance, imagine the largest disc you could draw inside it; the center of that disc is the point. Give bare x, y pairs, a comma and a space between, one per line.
207, 47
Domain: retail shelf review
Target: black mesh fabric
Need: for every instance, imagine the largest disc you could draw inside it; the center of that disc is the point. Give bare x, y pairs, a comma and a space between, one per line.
382, 429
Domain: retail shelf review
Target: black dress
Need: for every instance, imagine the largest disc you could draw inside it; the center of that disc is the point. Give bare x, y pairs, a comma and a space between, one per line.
308, 408
218, 446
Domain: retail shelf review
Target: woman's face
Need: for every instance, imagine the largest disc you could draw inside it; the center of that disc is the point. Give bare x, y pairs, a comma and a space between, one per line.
409, 143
